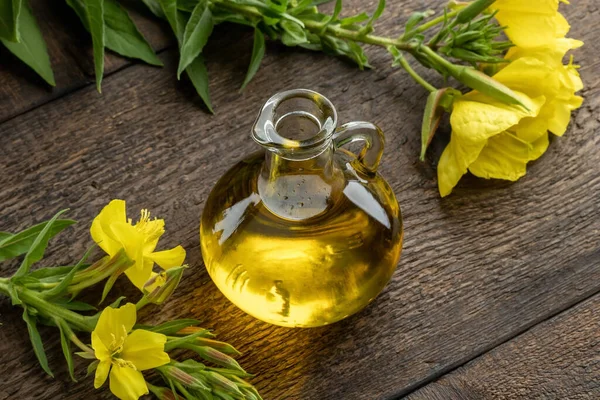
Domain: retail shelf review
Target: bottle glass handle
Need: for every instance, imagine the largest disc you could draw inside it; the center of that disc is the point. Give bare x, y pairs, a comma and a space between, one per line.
370, 135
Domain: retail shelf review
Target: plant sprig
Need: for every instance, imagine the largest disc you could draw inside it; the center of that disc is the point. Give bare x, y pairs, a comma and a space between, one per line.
464, 34
48, 296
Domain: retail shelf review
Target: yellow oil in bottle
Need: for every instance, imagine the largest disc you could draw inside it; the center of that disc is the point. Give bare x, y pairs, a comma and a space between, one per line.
331, 253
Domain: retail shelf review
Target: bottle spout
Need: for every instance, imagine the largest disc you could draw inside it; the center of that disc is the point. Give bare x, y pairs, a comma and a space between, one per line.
295, 123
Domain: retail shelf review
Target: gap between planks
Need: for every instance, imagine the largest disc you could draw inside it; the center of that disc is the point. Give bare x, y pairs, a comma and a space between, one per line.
526, 328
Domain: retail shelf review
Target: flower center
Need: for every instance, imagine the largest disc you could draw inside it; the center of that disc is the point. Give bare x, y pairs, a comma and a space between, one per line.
151, 229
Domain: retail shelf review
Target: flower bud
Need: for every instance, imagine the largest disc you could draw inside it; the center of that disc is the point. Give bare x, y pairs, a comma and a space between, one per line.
472, 10
161, 393
221, 382
160, 286
216, 357
481, 82
186, 379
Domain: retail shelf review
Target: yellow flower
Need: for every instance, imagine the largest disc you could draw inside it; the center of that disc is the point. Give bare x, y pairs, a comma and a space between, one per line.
494, 140
125, 354
113, 231
540, 71
484, 140
531, 23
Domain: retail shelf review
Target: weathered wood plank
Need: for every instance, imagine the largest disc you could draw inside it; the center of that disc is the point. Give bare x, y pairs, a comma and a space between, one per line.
557, 359
69, 46
478, 267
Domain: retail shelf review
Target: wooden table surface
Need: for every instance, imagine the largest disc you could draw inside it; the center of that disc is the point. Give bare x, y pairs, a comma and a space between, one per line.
497, 294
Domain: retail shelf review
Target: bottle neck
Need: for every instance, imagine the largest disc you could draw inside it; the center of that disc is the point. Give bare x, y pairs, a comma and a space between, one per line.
298, 189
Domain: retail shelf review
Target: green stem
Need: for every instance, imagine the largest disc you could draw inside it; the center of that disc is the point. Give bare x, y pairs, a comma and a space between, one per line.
73, 337
50, 310
141, 303
120, 260
418, 78
436, 21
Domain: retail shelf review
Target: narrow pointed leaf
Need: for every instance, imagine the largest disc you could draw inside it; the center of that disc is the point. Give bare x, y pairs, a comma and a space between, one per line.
74, 305
37, 248
431, 120
12, 246
36, 341
154, 7
66, 281
9, 19
199, 76
95, 16
65, 343
123, 37
196, 34
51, 273
258, 52
92, 367
172, 327
17, 5
169, 9
377, 13
31, 48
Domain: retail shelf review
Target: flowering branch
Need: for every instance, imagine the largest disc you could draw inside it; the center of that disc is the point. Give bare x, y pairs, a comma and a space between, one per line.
120, 347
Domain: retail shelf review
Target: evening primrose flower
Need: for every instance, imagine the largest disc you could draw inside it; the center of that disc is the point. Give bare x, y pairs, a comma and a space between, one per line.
124, 354
531, 23
485, 141
493, 140
112, 231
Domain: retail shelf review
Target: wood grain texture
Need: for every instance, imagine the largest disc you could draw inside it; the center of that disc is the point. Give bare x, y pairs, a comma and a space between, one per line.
557, 359
70, 49
478, 267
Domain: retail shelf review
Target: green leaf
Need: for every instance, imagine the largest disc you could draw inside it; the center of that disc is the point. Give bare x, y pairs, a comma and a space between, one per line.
65, 343
378, 11
187, 5
117, 302
36, 341
355, 19
415, 18
12, 246
258, 52
92, 367
95, 16
169, 8
66, 281
37, 248
123, 37
171, 327
31, 49
4, 236
196, 34
154, 7
199, 76
51, 272
9, 19
74, 305
293, 34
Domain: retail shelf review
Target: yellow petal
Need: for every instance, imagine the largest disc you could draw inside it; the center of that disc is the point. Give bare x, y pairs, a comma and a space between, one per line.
127, 383
169, 258
145, 349
131, 240
531, 76
100, 349
114, 324
504, 157
529, 29
455, 160
139, 276
101, 226
544, 7
476, 117
101, 373
539, 147
561, 115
